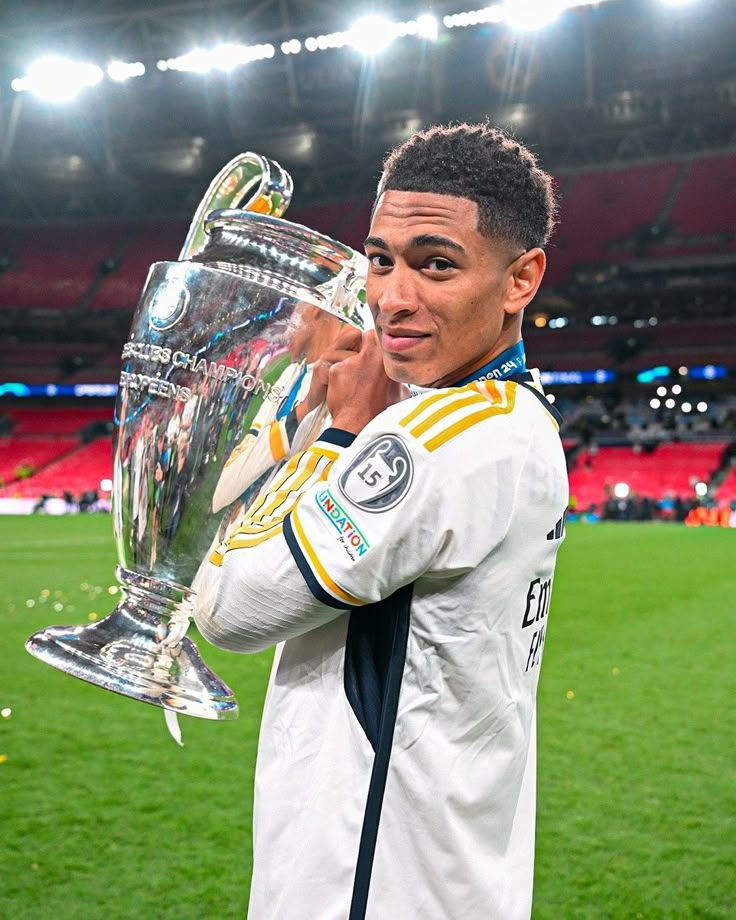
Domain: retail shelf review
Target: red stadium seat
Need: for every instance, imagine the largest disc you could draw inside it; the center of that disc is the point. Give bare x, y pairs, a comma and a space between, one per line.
704, 204
672, 469
77, 472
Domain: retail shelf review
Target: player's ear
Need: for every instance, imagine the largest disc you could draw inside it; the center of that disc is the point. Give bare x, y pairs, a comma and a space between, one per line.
524, 277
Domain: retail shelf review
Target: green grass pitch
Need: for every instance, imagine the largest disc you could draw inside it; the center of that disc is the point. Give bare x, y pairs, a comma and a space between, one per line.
102, 816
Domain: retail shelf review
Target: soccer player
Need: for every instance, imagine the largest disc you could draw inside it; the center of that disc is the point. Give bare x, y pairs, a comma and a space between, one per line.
404, 564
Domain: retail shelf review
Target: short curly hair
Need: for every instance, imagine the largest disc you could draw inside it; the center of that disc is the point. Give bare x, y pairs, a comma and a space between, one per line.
515, 198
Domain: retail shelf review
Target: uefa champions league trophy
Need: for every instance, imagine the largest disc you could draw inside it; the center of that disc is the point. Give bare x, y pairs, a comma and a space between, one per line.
210, 372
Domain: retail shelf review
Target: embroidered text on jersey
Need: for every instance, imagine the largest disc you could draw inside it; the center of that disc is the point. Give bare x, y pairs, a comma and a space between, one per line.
351, 538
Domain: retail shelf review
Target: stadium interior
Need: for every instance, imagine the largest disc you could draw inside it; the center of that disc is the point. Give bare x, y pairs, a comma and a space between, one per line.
115, 115
631, 104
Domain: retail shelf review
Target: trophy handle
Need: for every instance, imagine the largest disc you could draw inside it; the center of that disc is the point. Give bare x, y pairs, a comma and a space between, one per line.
249, 182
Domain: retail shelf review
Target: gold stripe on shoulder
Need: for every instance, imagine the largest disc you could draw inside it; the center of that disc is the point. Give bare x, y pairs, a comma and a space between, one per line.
489, 411
460, 402
422, 403
491, 389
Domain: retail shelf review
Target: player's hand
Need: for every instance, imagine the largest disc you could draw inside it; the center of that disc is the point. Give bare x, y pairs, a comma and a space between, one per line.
359, 389
346, 344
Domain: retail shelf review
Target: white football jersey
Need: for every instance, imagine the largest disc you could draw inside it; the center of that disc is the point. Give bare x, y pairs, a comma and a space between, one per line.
406, 575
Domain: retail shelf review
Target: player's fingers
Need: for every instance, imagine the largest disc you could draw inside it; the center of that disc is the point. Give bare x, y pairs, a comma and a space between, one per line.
348, 339
335, 356
369, 341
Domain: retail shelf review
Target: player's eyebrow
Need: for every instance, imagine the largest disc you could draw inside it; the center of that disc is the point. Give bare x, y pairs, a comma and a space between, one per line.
375, 241
435, 239
418, 242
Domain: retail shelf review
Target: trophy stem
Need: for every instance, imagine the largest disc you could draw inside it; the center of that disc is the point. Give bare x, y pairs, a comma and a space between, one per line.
135, 653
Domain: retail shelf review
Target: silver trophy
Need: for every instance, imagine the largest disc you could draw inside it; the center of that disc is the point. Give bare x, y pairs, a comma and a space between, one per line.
214, 395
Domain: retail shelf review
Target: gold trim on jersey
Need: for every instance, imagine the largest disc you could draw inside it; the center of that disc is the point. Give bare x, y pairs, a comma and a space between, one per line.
441, 413
318, 569
460, 408
265, 517
276, 441
424, 403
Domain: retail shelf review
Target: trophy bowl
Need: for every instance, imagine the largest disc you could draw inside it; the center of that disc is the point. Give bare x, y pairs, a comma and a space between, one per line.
213, 374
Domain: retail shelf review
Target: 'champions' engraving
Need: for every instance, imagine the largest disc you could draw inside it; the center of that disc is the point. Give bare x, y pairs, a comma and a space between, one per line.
158, 354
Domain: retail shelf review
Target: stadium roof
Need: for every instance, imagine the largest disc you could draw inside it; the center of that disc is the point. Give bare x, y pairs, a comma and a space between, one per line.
614, 80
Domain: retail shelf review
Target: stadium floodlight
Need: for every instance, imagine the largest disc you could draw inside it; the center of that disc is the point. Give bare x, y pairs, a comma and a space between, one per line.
229, 55
687, 407
490, 14
702, 406
372, 34
58, 79
121, 71
661, 391
655, 403
676, 389
621, 490
198, 60
226, 57
428, 27
530, 15
293, 46
669, 403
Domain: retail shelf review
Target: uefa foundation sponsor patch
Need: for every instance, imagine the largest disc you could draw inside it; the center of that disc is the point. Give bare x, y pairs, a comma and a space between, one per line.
350, 537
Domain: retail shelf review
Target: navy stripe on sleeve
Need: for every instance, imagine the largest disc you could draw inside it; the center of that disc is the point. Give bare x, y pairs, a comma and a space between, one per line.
337, 436
304, 567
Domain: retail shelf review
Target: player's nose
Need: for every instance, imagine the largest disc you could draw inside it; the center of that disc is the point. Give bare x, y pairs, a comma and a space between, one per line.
396, 295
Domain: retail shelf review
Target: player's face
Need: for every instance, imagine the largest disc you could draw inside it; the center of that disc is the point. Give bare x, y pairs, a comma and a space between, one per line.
445, 298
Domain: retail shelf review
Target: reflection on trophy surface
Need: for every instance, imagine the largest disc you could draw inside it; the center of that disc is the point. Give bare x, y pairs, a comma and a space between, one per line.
272, 438
221, 381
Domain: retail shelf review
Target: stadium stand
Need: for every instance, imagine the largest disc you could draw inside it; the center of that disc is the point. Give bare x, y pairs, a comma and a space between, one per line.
77, 472
21, 456
671, 469
604, 207
605, 216
628, 348
56, 266
95, 272
702, 207
55, 421
726, 492
148, 243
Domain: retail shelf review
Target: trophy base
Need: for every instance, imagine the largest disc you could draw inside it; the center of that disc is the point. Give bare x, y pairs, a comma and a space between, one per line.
124, 653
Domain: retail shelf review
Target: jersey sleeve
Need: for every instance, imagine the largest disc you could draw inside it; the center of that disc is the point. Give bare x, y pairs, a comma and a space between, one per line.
247, 601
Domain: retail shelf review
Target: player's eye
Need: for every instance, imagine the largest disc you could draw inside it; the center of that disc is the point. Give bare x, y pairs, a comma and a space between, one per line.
379, 260
439, 264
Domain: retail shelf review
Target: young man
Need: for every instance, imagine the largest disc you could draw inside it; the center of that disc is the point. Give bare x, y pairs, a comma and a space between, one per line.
405, 562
